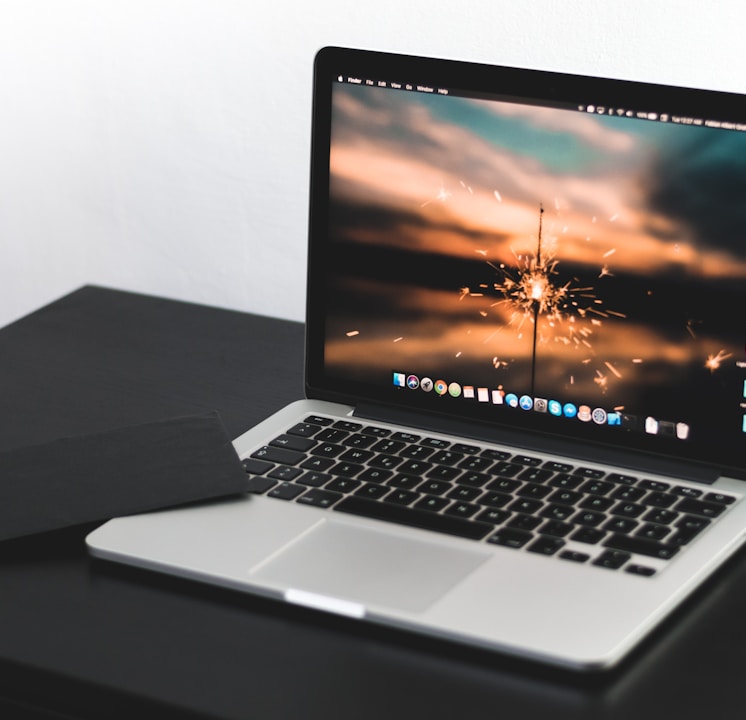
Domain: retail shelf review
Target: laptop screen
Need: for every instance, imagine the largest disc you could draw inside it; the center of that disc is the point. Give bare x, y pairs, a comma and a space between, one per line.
533, 251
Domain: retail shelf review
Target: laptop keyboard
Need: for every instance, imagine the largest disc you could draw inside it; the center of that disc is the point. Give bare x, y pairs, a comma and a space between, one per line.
551, 507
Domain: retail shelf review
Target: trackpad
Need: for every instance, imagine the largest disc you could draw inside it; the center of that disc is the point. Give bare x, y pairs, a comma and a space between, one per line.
366, 566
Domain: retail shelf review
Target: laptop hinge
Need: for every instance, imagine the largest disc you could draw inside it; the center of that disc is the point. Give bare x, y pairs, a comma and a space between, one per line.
625, 458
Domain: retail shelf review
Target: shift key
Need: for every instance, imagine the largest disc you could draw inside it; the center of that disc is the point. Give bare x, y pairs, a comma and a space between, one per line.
278, 455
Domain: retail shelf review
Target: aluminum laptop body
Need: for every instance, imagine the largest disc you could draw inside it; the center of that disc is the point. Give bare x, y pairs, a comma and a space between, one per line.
525, 368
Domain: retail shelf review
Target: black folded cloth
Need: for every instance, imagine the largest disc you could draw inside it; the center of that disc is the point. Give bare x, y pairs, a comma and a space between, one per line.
77, 480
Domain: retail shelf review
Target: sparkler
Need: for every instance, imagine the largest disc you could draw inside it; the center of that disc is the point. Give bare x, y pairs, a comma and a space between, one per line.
531, 289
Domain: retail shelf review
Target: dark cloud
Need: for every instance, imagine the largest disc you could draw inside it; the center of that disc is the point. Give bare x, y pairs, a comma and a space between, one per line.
389, 230
703, 185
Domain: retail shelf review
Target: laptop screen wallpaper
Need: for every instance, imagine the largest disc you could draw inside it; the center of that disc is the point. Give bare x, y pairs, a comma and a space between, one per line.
525, 259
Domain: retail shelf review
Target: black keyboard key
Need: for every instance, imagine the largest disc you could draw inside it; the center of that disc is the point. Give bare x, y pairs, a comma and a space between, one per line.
293, 442
493, 454
690, 522
565, 497
286, 491
720, 498
446, 457
433, 503
278, 455
510, 537
477, 464
401, 497
687, 528
621, 525
416, 452
317, 463
630, 510
436, 443
443, 472
348, 425
303, 429
640, 570
464, 493
596, 503
589, 518
661, 516
332, 435
493, 515
374, 431
343, 485
524, 522
628, 492
415, 467
556, 528
591, 473
319, 498
588, 535
641, 546
405, 437
597, 487
462, 509
387, 462
660, 499
650, 531
465, 449
656, 485
691, 492
404, 482
414, 517
506, 469
535, 475
503, 485
574, 556
526, 505
377, 475
388, 446
558, 467
346, 469
254, 466
435, 487
496, 499
372, 491
359, 441
526, 460
557, 511
700, 507
258, 484
621, 478
319, 420
565, 481
546, 545
532, 490
612, 559
314, 479
327, 450
284, 472
473, 479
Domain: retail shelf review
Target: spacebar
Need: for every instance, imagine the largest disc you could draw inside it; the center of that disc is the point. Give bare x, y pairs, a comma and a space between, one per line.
413, 518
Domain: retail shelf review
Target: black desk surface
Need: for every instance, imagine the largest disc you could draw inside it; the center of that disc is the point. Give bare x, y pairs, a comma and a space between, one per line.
87, 639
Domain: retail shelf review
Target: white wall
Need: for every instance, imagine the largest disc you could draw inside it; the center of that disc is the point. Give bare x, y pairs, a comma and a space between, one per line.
162, 145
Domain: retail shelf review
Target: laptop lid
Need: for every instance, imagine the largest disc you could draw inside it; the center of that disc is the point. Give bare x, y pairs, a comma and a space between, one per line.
531, 255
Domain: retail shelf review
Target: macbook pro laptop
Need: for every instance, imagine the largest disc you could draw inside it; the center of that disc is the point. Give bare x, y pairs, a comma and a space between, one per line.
525, 420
